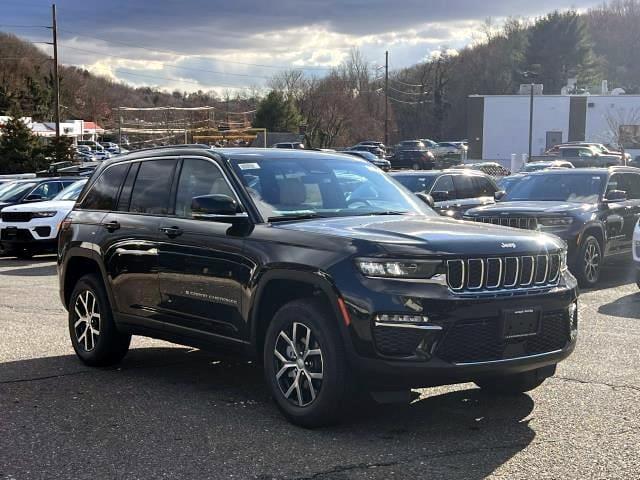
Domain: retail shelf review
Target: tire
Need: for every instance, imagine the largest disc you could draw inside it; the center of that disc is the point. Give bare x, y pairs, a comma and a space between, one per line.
320, 368
588, 262
513, 384
89, 303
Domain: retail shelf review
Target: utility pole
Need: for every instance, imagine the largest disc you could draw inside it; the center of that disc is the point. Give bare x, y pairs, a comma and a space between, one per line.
386, 98
56, 81
119, 127
530, 121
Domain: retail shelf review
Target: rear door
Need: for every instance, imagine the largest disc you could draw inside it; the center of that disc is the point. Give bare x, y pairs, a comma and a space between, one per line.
201, 259
132, 234
630, 183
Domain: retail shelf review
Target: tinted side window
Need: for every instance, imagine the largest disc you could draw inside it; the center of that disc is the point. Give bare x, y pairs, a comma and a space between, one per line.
444, 184
46, 190
464, 186
197, 178
151, 191
484, 188
125, 195
630, 183
103, 193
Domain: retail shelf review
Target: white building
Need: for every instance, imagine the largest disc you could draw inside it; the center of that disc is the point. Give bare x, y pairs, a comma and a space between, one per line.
77, 129
498, 125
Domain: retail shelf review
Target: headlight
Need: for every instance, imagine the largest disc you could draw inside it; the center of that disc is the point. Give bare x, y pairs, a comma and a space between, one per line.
409, 269
43, 214
563, 261
555, 221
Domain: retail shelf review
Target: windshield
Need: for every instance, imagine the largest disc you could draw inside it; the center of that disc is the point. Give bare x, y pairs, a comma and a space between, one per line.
15, 191
289, 187
416, 183
72, 192
576, 187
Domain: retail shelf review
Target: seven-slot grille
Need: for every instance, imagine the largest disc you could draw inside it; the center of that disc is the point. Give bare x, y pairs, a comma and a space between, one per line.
486, 274
527, 223
16, 216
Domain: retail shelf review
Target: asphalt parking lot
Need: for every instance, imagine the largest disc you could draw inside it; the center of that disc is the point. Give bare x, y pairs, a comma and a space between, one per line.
173, 412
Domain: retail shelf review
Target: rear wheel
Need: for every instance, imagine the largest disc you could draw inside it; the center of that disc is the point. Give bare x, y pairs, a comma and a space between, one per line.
305, 365
94, 335
588, 263
514, 384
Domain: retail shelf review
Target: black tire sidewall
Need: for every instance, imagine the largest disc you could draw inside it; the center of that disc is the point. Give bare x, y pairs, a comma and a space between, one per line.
111, 345
325, 409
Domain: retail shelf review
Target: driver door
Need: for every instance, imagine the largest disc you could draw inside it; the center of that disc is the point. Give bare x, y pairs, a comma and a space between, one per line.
200, 260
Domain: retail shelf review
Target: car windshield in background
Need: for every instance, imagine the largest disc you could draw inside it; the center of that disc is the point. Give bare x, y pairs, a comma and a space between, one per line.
72, 192
416, 183
15, 191
290, 188
581, 187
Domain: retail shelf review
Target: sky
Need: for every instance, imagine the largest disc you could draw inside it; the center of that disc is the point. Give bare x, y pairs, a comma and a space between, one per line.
221, 45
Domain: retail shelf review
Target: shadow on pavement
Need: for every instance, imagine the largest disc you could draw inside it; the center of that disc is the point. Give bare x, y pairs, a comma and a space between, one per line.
615, 273
625, 307
176, 412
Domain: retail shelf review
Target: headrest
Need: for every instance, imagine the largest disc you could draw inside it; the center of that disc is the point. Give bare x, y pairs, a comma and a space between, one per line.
292, 192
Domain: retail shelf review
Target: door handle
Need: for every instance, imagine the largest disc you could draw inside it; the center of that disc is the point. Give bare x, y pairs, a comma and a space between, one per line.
171, 231
112, 226
138, 253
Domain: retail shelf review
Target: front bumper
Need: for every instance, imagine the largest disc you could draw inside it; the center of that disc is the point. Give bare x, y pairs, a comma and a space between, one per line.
469, 343
34, 234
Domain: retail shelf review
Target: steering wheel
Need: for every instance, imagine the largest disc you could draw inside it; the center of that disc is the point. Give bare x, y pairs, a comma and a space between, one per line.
353, 201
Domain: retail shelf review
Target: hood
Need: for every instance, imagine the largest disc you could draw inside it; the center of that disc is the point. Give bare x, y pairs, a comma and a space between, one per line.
42, 206
436, 235
529, 208
4, 204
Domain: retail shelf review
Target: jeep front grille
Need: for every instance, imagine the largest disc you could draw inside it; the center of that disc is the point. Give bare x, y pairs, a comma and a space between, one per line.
526, 223
487, 274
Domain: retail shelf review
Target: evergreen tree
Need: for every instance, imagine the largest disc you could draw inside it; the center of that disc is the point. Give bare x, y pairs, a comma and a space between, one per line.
561, 45
17, 146
277, 114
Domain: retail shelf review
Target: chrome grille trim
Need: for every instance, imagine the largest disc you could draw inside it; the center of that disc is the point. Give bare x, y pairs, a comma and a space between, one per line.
461, 264
525, 223
491, 274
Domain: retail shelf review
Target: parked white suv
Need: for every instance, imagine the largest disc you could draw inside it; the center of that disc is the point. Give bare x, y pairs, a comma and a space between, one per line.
32, 228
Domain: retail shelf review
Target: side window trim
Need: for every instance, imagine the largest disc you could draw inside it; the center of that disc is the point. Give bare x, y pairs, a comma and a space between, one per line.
141, 161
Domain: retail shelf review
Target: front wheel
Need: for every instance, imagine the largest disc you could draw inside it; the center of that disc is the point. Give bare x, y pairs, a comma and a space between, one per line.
305, 365
94, 335
588, 263
513, 384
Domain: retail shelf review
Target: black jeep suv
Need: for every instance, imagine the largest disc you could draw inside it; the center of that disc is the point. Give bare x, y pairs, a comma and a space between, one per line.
594, 210
321, 266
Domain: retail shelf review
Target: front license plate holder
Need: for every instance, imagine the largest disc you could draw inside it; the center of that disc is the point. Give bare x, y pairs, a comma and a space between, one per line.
520, 323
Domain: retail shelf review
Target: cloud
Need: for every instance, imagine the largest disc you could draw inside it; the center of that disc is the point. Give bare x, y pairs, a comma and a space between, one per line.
201, 44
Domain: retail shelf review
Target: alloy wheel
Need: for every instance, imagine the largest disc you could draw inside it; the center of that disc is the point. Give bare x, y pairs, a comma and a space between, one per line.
298, 364
592, 261
86, 320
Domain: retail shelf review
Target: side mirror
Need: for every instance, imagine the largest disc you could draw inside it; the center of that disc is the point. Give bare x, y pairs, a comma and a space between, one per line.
440, 196
214, 207
34, 198
499, 194
616, 196
426, 198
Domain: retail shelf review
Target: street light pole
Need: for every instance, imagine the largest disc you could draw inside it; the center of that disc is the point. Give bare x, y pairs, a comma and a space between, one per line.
386, 98
530, 122
56, 81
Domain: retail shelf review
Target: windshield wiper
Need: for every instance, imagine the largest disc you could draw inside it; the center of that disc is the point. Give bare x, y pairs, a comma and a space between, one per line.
386, 212
300, 216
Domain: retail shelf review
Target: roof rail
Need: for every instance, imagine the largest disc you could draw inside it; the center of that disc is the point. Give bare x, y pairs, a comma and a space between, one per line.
187, 145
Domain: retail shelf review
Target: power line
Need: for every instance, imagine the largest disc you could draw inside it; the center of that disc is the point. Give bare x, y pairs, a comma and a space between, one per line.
407, 84
154, 50
407, 93
25, 26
